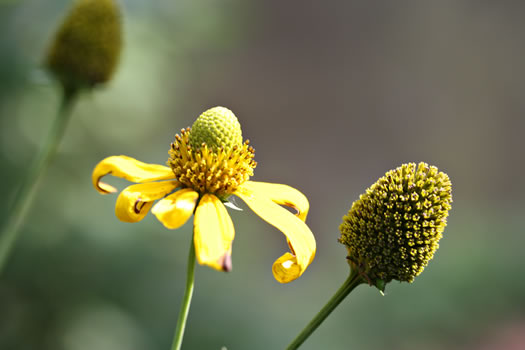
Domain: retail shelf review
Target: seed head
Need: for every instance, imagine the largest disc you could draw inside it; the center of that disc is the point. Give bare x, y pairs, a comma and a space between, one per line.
87, 45
393, 230
217, 127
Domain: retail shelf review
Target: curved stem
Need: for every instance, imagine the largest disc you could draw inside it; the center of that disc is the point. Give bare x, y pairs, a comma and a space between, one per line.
186, 300
351, 282
27, 190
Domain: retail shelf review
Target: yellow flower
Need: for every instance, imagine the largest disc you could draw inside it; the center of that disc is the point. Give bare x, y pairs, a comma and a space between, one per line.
207, 164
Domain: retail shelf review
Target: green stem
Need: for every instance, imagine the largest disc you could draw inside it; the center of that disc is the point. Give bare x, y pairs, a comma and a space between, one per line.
351, 282
27, 190
186, 300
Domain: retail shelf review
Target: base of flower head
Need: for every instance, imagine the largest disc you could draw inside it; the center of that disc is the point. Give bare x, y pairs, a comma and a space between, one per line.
367, 274
390, 264
218, 172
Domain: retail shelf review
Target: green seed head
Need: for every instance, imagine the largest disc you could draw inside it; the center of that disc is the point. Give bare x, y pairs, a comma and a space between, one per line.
217, 127
86, 48
393, 230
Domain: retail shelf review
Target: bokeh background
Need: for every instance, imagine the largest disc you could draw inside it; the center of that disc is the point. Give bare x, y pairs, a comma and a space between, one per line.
332, 94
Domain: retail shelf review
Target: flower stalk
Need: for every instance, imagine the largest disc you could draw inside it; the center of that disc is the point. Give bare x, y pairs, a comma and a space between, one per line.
186, 300
27, 190
348, 286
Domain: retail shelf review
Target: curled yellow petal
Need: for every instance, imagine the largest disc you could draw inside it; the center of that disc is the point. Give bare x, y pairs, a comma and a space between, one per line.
174, 210
213, 233
129, 169
286, 269
281, 194
134, 202
299, 237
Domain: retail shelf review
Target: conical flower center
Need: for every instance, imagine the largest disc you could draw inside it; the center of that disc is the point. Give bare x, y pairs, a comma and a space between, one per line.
393, 230
218, 128
218, 171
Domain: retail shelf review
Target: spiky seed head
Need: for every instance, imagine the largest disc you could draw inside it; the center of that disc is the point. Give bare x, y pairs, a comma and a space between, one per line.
86, 48
217, 127
393, 230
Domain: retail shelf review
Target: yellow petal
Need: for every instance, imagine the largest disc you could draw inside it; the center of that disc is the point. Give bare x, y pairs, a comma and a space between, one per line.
213, 233
299, 237
281, 194
174, 210
129, 169
134, 202
285, 269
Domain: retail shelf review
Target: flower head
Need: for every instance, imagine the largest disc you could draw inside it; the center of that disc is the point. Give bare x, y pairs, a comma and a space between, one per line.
210, 157
86, 47
207, 164
393, 230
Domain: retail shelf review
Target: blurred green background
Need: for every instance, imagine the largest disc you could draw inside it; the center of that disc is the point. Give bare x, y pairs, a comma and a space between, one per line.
332, 94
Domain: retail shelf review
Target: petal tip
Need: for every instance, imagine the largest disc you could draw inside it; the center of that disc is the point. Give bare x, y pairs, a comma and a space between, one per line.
104, 188
286, 269
226, 262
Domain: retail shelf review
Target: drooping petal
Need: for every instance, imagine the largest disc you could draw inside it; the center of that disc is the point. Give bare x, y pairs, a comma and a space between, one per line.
174, 210
213, 233
129, 169
134, 202
285, 268
281, 194
300, 239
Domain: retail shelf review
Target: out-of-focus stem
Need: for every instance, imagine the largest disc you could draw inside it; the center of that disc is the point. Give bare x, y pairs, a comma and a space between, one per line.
22, 202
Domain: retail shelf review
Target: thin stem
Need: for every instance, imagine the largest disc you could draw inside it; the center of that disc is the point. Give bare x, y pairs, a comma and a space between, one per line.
186, 300
27, 190
351, 282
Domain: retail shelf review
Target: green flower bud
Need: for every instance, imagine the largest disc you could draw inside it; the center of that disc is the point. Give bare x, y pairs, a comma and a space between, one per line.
86, 47
393, 230
217, 127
